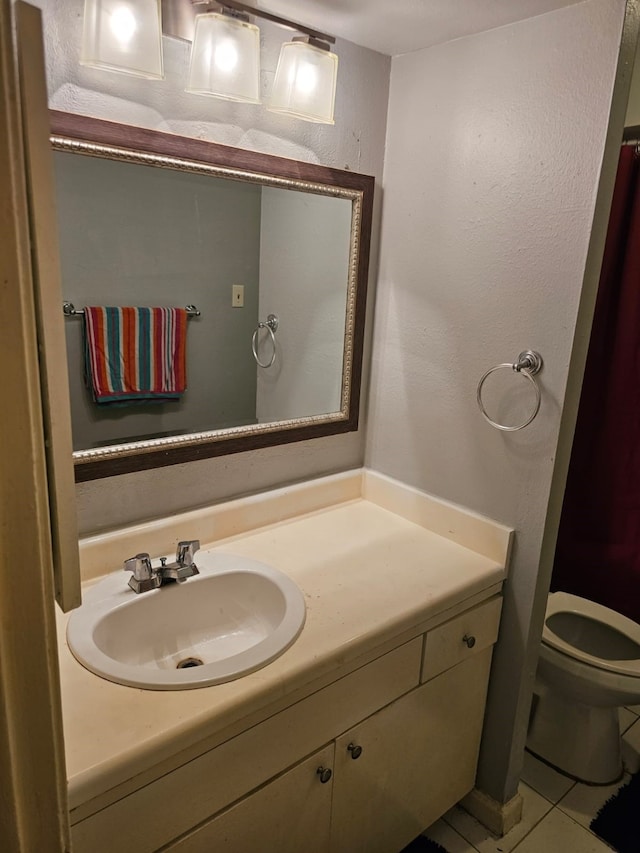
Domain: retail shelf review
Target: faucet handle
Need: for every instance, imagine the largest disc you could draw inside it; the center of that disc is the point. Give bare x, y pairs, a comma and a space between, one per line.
141, 567
185, 552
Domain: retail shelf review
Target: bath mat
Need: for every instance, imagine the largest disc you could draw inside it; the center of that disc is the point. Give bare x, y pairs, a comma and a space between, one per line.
618, 821
423, 845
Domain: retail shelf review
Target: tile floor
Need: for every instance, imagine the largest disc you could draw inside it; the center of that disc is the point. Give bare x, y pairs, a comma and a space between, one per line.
556, 810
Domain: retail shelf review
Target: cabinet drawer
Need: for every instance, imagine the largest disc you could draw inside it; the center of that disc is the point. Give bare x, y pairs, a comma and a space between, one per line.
460, 638
166, 808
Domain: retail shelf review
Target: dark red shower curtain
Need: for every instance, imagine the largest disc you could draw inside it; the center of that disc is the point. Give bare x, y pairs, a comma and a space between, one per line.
598, 549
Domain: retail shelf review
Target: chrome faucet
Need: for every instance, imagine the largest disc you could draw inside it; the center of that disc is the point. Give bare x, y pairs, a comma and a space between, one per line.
146, 576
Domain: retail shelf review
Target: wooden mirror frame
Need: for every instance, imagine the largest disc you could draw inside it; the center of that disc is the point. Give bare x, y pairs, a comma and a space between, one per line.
95, 137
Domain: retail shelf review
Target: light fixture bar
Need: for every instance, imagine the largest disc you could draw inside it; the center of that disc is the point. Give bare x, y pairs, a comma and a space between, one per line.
178, 18
276, 19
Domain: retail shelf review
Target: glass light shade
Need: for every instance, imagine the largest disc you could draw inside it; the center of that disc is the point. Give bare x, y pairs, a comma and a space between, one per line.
305, 82
225, 59
123, 35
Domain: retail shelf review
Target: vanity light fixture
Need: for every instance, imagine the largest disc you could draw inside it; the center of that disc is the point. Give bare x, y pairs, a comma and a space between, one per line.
123, 35
305, 80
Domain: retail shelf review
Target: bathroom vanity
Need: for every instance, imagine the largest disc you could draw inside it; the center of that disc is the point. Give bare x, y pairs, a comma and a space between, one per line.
359, 736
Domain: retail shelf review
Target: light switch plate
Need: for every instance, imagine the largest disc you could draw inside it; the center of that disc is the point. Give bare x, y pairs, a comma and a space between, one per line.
237, 295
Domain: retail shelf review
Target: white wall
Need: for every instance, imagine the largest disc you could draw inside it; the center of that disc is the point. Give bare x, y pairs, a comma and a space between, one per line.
356, 142
304, 269
493, 155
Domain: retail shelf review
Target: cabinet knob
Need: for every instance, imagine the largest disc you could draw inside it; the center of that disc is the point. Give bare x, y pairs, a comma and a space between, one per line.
355, 750
470, 640
324, 773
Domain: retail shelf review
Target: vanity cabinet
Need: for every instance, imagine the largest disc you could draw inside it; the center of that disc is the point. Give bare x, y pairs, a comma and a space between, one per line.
401, 769
291, 814
400, 736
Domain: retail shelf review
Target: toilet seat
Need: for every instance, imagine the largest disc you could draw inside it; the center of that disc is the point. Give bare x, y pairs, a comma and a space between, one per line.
563, 602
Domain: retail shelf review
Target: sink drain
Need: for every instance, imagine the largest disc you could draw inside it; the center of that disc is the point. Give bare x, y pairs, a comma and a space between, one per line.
187, 662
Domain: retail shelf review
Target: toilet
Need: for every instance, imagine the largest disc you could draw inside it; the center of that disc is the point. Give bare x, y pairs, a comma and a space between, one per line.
589, 666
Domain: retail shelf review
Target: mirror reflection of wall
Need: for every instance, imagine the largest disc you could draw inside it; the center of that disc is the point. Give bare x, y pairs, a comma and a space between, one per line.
135, 234
304, 259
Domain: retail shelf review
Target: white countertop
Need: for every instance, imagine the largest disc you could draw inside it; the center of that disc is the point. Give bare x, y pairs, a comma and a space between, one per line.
370, 577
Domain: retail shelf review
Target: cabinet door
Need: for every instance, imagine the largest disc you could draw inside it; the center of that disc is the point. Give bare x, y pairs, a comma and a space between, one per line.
418, 758
288, 815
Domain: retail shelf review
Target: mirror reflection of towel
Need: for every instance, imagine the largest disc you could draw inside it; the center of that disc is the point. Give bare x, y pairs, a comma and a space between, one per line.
135, 353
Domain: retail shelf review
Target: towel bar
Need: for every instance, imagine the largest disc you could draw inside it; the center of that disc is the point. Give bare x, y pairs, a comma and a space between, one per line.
70, 310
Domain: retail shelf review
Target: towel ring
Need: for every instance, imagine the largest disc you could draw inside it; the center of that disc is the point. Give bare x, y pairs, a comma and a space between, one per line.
271, 325
528, 364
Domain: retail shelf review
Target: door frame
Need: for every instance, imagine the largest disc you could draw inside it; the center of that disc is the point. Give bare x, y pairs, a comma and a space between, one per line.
33, 788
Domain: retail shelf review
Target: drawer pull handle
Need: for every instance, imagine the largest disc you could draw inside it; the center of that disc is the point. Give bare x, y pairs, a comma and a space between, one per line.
470, 640
324, 773
355, 750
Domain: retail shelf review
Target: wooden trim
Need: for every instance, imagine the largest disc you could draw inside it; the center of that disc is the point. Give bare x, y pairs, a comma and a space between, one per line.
120, 136
33, 797
95, 470
87, 129
48, 298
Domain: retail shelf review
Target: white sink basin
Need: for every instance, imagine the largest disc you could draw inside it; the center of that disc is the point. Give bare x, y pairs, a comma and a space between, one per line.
236, 616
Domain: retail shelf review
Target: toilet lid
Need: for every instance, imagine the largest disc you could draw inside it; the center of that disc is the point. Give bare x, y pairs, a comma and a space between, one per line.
592, 633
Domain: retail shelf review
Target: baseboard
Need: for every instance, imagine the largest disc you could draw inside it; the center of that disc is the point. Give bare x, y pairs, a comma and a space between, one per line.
499, 818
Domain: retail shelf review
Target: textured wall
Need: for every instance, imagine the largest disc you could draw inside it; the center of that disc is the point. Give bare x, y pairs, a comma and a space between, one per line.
493, 155
356, 142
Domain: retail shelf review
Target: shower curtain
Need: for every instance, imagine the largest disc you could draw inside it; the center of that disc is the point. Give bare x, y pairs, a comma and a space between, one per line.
598, 548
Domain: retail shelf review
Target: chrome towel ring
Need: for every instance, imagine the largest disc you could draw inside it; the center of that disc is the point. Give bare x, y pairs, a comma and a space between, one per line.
271, 325
528, 364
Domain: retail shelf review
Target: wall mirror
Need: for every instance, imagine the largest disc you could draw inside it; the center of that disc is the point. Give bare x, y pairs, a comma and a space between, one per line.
271, 253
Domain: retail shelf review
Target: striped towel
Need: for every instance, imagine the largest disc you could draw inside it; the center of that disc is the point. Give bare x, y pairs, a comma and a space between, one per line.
135, 353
